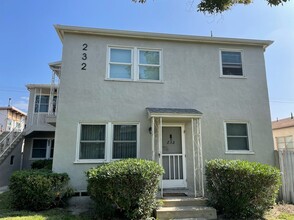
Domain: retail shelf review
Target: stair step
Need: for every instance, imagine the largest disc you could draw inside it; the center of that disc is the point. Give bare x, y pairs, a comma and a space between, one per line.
186, 212
171, 202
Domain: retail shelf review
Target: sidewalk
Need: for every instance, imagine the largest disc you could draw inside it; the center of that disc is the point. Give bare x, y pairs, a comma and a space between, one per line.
3, 189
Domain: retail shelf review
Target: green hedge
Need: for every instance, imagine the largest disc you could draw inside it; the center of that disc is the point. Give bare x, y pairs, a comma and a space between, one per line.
38, 189
241, 189
127, 185
42, 164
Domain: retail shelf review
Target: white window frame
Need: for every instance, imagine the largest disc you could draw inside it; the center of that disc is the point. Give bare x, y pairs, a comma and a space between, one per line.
135, 63
111, 142
48, 149
78, 160
221, 63
109, 127
227, 151
38, 112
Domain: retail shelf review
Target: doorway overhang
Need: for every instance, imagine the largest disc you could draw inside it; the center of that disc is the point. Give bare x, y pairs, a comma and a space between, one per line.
173, 113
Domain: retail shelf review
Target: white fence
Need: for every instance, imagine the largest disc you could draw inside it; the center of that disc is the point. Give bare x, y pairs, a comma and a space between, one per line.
286, 163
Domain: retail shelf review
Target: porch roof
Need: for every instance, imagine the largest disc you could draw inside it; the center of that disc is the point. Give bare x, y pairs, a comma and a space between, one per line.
173, 112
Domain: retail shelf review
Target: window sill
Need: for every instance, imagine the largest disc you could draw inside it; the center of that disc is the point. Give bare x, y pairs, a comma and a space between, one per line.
89, 161
240, 152
42, 158
232, 77
135, 81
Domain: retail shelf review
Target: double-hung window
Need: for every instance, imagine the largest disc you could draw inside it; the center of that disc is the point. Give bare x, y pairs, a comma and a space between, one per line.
231, 63
92, 142
120, 63
134, 64
124, 141
237, 137
149, 65
106, 142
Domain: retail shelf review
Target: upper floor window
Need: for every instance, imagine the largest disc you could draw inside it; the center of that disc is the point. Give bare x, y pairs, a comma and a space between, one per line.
120, 64
134, 64
285, 142
231, 63
237, 136
42, 103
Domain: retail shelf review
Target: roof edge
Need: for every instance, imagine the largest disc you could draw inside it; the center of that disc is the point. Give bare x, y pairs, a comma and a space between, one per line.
61, 29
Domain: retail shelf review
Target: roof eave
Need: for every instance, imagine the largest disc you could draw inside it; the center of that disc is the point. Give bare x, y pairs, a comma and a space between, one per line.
158, 36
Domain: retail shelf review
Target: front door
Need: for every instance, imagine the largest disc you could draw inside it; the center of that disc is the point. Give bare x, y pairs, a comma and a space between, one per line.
173, 156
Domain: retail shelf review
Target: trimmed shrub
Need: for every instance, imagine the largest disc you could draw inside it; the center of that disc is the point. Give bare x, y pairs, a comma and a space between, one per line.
42, 164
241, 189
38, 189
128, 185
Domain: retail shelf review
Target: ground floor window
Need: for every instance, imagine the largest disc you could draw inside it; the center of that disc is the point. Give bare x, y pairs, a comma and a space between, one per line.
92, 145
42, 148
106, 142
237, 136
124, 141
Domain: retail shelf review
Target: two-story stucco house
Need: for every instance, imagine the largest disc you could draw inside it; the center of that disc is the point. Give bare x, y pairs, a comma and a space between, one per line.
176, 99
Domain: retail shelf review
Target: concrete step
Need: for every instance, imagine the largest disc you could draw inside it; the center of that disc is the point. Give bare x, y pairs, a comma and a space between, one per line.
182, 201
186, 212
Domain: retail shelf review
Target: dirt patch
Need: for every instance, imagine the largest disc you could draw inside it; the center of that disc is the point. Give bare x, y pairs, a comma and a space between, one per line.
280, 209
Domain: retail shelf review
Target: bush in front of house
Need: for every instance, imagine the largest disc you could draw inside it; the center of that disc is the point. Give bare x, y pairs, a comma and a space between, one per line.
42, 164
241, 189
38, 189
128, 185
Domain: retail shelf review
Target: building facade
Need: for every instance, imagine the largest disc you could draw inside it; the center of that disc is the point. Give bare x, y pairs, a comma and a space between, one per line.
179, 100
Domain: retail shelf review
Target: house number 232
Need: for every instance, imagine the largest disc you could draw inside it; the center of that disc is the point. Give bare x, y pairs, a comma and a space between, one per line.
84, 56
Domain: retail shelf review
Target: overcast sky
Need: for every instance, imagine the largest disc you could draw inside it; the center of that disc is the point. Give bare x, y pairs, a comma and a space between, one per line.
29, 41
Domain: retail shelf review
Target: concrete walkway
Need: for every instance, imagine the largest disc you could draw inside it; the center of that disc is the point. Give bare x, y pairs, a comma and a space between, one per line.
3, 189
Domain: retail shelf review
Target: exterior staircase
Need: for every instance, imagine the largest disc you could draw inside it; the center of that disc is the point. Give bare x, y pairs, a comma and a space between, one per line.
8, 141
185, 208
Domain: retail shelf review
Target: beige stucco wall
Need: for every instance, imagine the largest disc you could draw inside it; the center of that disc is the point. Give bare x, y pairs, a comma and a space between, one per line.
282, 132
192, 79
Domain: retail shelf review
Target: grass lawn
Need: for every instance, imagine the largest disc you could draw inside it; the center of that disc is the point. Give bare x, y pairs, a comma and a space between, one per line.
8, 213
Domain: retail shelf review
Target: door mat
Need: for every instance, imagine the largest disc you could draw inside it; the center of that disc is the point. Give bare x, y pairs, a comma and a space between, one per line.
174, 194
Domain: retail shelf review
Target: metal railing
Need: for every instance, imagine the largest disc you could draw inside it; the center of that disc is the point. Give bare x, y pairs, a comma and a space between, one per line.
11, 137
175, 166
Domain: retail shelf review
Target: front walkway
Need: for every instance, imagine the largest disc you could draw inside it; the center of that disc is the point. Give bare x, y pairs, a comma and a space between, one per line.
3, 189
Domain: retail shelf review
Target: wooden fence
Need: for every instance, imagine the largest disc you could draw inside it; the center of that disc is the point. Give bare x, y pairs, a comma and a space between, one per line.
285, 161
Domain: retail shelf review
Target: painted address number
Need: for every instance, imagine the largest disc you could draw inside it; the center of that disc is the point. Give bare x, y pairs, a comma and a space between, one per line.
84, 56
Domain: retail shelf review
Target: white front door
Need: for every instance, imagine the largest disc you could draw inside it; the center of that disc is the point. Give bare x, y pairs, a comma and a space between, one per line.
173, 157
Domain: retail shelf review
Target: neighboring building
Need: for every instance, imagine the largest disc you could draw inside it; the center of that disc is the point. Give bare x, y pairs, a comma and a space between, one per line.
12, 124
283, 133
10, 118
40, 128
179, 100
